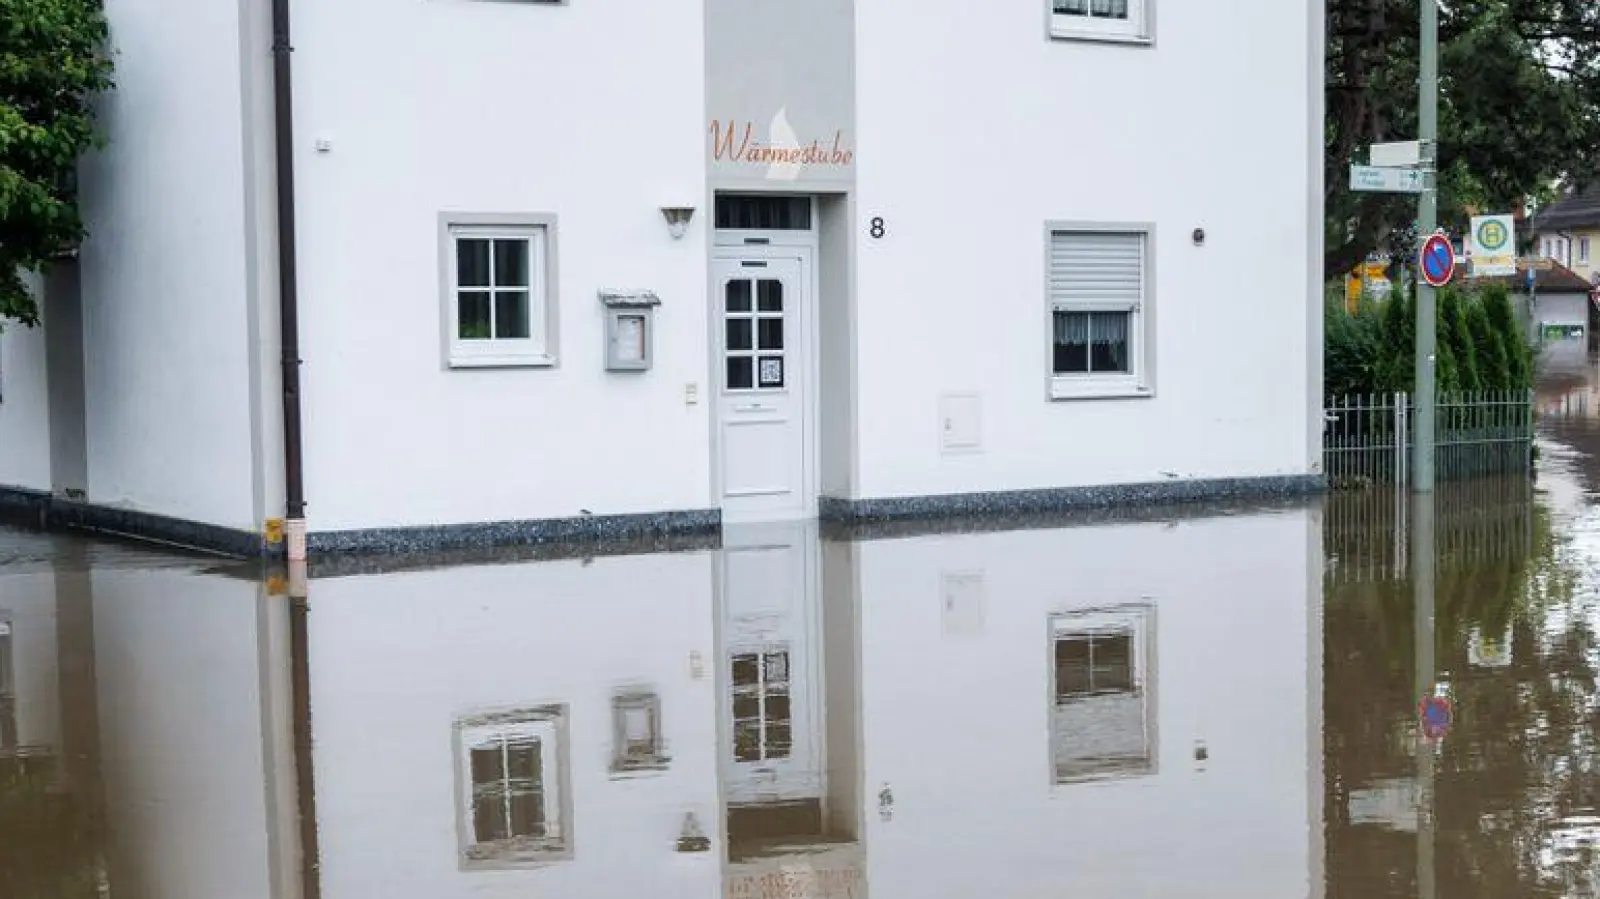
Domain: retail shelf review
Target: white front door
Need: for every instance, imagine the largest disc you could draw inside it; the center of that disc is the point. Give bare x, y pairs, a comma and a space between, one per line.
762, 300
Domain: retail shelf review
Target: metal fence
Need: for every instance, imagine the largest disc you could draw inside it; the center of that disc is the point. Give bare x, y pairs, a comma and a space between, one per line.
1367, 438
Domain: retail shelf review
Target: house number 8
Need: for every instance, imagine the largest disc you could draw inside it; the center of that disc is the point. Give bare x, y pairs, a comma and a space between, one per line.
877, 226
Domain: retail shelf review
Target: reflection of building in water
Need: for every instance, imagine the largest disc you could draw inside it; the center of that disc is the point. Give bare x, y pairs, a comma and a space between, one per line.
1579, 402
1056, 708
157, 699
787, 690
531, 728
30, 675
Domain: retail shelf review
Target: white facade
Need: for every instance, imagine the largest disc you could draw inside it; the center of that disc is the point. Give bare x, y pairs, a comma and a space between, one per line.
24, 409
927, 346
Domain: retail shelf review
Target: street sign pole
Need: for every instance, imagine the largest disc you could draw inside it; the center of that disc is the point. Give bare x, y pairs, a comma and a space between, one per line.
1427, 221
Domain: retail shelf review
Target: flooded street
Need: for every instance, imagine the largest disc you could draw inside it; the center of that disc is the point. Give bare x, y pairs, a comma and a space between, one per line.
1195, 702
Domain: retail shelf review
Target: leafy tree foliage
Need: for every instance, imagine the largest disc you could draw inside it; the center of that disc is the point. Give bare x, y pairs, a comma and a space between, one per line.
52, 64
1481, 346
1519, 108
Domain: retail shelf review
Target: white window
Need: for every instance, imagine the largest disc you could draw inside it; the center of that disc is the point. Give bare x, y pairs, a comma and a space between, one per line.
1583, 249
500, 290
1127, 20
514, 782
1099, 295
1102, 715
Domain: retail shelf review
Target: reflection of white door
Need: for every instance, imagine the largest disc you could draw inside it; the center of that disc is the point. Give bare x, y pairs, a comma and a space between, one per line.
761, 297
771, 658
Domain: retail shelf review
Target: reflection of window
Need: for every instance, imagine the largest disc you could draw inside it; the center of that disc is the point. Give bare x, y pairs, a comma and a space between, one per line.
636, 733
515, 777
8, 695
1124, 19
763, 728
1102, 720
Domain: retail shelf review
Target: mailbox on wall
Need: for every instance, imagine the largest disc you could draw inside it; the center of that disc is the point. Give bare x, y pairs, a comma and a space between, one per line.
630, 328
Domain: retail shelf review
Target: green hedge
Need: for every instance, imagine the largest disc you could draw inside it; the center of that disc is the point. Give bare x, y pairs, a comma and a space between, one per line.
1482, 345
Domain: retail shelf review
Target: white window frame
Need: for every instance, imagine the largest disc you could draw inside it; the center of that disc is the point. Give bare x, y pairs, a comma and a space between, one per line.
1139, 382
1136, 29
1583, 250
548, 724
539, 349
1139, 619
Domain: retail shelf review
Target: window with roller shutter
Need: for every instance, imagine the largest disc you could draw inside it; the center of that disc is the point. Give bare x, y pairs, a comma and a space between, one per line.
1099, 298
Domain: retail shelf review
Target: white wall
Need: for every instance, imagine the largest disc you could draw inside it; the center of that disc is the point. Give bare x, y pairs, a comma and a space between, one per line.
956, 719
24, 409
397, 659
164, 269
187, 665
966, 164
593, 113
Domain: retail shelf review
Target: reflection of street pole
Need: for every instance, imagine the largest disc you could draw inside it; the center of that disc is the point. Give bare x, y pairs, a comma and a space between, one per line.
1423, 548
1427, 220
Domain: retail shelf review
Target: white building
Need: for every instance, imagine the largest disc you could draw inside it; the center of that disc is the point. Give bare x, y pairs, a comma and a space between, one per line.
939, 258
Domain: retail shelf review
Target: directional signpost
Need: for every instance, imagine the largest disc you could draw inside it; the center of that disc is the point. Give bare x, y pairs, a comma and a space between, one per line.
1385, 180
1401, 154
1437, 261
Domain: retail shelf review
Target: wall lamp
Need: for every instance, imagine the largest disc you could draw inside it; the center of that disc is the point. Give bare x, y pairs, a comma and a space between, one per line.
677, 219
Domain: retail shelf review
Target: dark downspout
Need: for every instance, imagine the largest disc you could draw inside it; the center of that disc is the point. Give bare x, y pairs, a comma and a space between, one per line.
288, 287
294, 499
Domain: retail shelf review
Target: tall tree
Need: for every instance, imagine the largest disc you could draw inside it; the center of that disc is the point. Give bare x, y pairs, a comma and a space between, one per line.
52, 63
1519, 108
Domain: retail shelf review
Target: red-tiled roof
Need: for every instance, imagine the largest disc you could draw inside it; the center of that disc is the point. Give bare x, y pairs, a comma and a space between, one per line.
1556, 279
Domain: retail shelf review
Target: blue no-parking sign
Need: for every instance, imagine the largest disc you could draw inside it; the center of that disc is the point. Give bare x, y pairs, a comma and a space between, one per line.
1438, 260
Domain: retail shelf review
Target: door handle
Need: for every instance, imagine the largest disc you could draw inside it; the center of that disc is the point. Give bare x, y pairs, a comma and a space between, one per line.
752, 407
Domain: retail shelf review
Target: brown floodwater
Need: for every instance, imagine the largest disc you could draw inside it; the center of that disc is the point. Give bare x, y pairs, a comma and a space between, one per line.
1183, 702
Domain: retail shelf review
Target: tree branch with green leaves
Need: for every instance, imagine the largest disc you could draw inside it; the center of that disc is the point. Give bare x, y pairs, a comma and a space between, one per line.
53, 63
